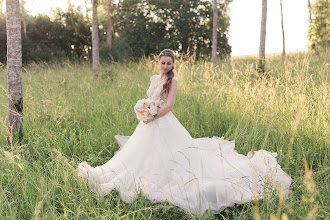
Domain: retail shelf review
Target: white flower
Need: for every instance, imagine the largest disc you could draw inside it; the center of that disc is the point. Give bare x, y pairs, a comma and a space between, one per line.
145, 109
148, 101
153, 110
139, 103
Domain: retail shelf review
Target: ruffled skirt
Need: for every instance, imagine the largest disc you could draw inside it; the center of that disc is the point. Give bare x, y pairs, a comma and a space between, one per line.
201, 175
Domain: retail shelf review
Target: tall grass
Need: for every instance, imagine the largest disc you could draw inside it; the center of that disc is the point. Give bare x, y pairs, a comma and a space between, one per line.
69, 117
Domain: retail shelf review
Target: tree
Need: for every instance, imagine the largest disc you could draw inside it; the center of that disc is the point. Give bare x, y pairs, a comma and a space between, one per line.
262, 58
283, 53
214, 33
70, 8
65, 36
188, 25
1, 1
23, 17
14, 68
3, 39
310, 11
139, 28
95, 40
72, 14
109, 24
86, 8
319, 28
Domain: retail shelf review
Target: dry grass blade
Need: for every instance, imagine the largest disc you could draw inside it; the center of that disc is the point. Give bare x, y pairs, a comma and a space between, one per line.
37, 210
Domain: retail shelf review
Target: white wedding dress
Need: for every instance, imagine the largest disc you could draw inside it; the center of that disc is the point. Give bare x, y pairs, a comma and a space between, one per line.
163, 162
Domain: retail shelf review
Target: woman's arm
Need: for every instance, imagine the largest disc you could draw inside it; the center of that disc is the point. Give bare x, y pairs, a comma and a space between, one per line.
170, 102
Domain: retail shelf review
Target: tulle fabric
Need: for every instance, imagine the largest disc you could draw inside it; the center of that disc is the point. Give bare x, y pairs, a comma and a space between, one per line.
201, 175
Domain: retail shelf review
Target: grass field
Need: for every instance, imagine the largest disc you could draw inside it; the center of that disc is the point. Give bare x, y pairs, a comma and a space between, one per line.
69, 117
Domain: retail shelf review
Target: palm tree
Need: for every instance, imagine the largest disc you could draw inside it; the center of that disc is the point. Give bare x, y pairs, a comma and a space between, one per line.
283, 53
95, 40
14, 68
109, 32
261, 67
215, 25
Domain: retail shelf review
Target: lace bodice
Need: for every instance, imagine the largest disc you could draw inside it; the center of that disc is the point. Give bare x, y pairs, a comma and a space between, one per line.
155, 89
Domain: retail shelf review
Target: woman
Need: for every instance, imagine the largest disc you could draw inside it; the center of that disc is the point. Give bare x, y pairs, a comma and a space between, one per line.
162, 161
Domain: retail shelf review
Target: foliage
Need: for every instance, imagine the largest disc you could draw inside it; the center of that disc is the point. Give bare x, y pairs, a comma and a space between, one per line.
43, 39
3, 38
319, 29
76, 34
189, 25
149, 26
67, 36
69, 118
140, 28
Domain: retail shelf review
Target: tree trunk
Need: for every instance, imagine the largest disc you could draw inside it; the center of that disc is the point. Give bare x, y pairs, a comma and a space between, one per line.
283, 53
310, 11
70, 9
215, 26
95, 40
14, 69
262, 37
70, 12
23, 17
86, 8
1, 1
109, 34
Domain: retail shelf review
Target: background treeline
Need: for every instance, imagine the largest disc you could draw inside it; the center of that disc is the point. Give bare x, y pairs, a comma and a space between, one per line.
139, 28
319, 28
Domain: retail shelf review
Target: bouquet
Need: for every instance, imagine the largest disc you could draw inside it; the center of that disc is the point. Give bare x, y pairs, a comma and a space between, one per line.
146, 109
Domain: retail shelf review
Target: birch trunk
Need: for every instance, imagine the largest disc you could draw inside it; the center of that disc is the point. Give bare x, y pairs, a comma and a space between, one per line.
95, 40
283, 52
14, 68
109, 32
263, 37
215, 25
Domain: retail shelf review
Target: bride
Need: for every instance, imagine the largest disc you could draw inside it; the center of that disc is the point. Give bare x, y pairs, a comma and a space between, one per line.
163, 162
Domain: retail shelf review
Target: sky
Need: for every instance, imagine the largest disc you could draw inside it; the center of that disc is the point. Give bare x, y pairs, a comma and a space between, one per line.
245, 21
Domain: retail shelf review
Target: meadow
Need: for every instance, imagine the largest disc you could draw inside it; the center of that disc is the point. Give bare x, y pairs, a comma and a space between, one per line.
70, 117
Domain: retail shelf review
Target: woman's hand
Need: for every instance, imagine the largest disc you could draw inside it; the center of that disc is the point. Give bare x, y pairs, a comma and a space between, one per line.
148, 121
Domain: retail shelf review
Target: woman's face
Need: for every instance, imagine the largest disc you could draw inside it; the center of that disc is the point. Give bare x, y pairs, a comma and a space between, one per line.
165, 64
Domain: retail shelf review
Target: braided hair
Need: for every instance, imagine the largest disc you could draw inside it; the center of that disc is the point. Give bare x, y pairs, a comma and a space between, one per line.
169, 74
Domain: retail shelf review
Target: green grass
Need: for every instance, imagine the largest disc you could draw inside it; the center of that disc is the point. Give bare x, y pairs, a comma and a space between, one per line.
69, 117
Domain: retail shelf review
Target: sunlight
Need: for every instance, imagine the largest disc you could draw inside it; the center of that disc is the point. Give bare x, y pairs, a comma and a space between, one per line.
245, 23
